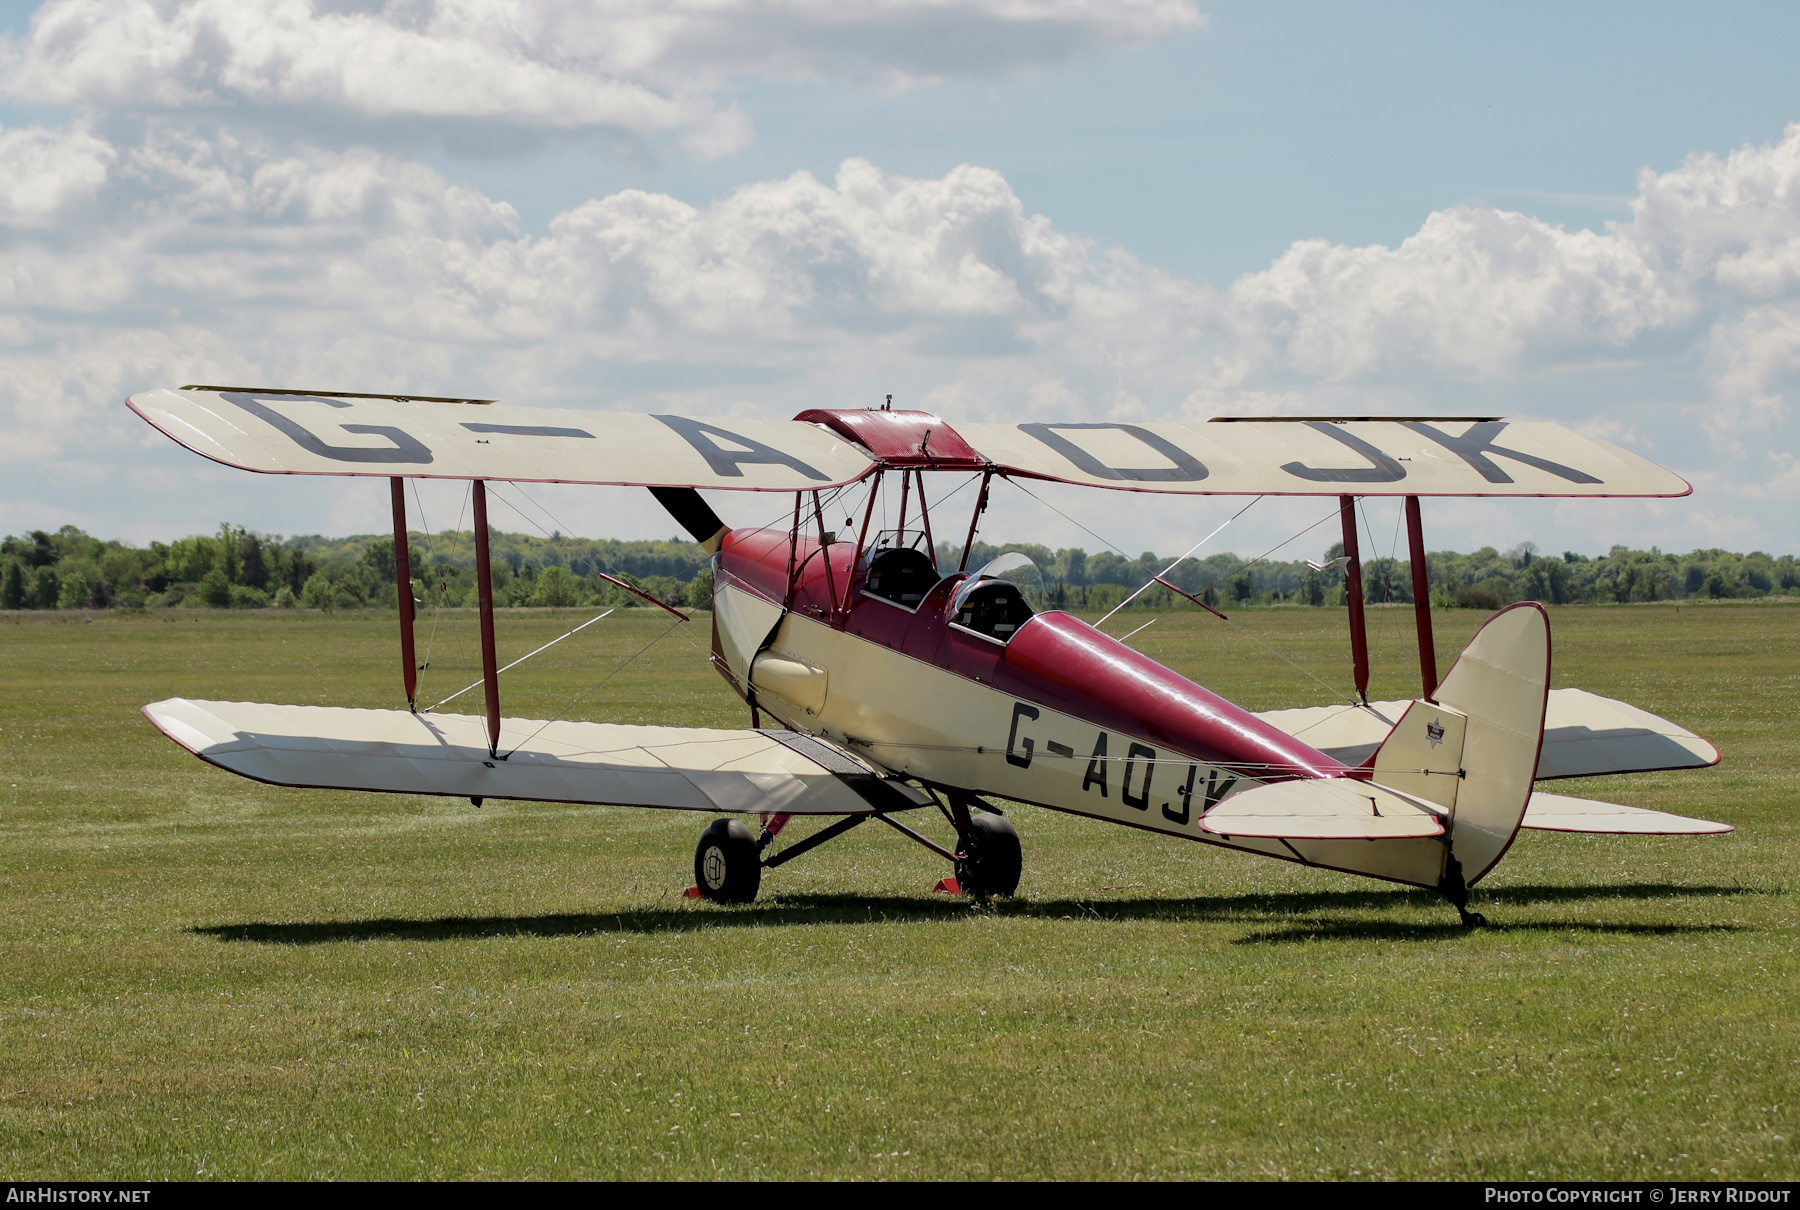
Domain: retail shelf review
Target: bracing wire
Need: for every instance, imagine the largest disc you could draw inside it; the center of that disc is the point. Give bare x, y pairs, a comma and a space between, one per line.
553, 642
1171, 567
579, 698
1334, 690
585, 694
444, 584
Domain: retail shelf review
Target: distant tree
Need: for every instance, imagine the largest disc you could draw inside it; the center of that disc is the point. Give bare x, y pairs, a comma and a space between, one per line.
255, 567
556, 588
42, 552
12, 586
46, 586
215, 589
228, 556
316, 593
1477, 596
378, 556
1075, 566
700, 589
72, 590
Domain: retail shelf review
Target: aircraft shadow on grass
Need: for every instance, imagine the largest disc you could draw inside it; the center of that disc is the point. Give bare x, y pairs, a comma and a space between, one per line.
862, 909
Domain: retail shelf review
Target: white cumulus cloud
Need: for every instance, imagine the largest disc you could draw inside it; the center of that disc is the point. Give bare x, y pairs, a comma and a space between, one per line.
45, 172
206, 257
637, 66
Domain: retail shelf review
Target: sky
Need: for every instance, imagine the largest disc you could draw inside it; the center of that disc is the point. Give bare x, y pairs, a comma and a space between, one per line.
992, 209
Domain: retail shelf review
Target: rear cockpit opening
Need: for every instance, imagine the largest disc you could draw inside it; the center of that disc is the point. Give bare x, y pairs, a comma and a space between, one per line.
993, 609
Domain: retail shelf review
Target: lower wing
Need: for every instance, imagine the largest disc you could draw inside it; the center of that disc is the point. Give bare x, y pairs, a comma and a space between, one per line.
1561, 813
397, 752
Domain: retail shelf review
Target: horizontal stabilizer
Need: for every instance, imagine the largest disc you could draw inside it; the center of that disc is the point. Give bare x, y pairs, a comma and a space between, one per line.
395, 752
1561, 813
1585, 735
1323, 809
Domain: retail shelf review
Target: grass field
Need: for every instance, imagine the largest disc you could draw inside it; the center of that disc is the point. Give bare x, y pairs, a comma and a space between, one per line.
208, 977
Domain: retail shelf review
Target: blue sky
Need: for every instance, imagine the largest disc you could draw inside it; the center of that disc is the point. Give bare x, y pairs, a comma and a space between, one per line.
1127, 210
1208, 153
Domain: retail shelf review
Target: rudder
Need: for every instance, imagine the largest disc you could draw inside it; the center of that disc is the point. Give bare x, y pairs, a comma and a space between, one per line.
1501, 684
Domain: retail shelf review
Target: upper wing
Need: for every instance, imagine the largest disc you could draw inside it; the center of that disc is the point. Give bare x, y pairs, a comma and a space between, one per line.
292, 432
285, 432
1585, 735
1326, 457
395, 752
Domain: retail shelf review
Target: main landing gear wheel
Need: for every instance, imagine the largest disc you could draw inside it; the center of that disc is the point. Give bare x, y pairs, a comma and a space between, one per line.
727, 867
988, 860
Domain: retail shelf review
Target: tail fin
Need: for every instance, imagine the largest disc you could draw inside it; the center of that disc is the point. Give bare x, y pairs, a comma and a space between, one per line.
1497, 689
1463, 764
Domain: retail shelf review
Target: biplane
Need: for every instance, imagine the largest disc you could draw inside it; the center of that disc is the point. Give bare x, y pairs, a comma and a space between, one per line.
898, 685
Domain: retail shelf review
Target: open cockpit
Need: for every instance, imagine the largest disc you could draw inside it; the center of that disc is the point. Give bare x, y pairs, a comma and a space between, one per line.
900, 573
993, 609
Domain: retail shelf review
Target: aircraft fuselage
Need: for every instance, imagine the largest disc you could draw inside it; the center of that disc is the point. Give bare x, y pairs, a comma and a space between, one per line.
1058, 714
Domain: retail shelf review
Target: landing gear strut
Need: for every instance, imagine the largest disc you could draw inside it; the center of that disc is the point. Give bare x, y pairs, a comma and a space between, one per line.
729, 861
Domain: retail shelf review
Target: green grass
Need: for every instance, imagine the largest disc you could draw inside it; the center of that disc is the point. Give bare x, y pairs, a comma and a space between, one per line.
205, 976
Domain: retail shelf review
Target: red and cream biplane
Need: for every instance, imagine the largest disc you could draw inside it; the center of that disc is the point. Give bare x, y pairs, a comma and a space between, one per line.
899, 687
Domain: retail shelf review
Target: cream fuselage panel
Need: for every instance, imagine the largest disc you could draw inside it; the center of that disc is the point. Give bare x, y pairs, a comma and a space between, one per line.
938, 726
923, 721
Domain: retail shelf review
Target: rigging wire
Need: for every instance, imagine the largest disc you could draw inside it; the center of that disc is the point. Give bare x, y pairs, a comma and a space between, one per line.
1334, 690
1171, 567
553, 642
444, 584
1387, 585
588, 692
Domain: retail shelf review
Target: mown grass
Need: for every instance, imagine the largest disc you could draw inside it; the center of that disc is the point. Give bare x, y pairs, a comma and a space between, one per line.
209, 977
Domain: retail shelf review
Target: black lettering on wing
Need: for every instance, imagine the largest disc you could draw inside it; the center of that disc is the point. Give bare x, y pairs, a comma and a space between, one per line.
1474, 446
730, 463
1183, 467
527, 430
1381, 468
406, 447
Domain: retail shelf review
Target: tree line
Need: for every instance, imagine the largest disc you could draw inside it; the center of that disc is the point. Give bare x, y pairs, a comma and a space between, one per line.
236, 568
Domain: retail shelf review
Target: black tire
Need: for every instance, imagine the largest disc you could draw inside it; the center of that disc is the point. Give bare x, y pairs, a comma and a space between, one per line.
988, 860
727, 867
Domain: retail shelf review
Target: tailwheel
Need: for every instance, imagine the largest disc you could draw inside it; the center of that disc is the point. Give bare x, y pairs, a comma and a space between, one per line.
988, 858
727, 865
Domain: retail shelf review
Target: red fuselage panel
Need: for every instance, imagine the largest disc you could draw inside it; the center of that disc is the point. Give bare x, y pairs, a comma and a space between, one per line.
1055, 660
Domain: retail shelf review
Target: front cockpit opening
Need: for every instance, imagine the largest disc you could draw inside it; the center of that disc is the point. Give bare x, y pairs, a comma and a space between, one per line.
900, 572
993, 609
